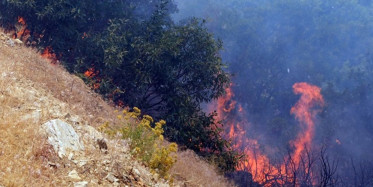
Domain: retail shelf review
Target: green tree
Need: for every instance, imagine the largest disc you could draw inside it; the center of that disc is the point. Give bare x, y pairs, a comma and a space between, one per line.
175, 68
139, 57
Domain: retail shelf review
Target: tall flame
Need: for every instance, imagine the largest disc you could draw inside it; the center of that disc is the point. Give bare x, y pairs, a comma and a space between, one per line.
257, 163
304, 113
234, 117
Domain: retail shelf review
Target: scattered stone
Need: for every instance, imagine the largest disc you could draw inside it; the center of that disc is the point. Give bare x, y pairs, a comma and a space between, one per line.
105, 162
18, 41
111, 178
74, 175
81, 163
81, 184
10, 42
62, 137
90, 134
136, 172
3, 37
72, 119
70, 157
94, 182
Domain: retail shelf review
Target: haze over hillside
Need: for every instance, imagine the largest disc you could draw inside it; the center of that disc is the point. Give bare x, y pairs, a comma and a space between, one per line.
270, 46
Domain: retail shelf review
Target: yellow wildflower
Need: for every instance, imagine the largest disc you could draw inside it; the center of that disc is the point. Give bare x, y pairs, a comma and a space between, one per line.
162, 122
149, 118
136, 110
172, 147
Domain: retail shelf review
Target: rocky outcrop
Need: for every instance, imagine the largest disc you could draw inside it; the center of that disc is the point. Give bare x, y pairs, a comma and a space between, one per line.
80, 144
62, 137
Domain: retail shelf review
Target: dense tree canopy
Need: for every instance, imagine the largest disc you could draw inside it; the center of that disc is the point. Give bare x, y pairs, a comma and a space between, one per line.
133, 53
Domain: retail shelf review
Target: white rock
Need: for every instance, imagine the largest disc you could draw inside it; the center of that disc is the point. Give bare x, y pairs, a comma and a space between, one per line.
91, 133
71, 155
94, 182
136, 171
111, 178
81, 163
105, 162
10, 42
81, 184
74, 175
62, 137
18, 41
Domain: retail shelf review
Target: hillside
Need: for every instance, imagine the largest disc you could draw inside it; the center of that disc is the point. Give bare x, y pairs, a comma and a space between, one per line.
33, 92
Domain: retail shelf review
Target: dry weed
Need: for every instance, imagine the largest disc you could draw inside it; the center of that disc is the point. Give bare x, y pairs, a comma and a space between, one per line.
194, 171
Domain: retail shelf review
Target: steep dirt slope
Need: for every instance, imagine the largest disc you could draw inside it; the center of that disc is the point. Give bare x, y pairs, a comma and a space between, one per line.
34, 91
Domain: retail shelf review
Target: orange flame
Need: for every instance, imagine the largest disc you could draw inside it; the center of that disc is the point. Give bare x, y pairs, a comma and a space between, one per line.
49, 55
257, 163
85, 35
233, 116
23, 32
311, 97
91, 73
21, 20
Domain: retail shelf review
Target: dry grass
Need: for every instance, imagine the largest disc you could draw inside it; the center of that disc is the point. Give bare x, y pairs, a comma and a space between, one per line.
194, 171
26, 64
32, 92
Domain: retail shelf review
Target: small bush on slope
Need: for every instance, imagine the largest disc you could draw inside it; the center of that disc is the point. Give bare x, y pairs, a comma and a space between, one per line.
146, 141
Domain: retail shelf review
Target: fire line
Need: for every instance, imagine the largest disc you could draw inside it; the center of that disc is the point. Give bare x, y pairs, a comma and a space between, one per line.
256, 162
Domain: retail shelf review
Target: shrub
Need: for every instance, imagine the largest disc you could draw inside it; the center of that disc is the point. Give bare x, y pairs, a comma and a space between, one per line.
146, 140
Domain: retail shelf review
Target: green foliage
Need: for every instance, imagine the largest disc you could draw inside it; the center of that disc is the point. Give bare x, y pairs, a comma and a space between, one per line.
203, 135
146, 140
138, 57
174, 71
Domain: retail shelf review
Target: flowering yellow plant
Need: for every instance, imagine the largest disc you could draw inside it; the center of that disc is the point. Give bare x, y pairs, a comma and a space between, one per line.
146, 140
